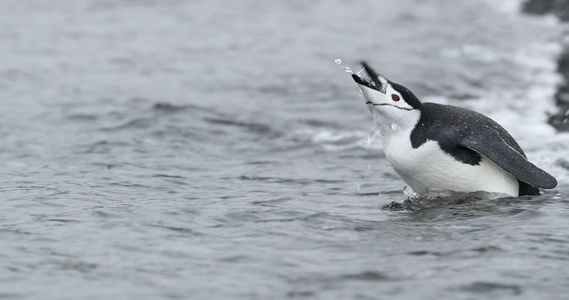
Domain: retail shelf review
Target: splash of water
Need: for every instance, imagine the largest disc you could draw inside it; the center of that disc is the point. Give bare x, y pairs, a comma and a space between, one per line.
372, 136
346, 69
438, 198
409, 193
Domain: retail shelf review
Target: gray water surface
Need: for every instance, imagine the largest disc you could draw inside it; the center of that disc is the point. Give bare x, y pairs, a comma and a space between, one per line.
214, 150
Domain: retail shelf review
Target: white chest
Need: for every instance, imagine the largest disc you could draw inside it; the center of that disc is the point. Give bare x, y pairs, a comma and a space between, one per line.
429, 167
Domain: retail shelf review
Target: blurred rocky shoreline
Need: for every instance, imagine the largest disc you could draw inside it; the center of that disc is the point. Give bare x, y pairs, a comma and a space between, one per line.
559, 8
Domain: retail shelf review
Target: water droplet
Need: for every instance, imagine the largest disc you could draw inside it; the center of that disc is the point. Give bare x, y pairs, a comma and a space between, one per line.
394, 127
357, 186
346, 69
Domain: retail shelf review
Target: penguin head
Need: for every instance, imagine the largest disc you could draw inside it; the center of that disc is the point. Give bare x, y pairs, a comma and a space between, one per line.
388, 102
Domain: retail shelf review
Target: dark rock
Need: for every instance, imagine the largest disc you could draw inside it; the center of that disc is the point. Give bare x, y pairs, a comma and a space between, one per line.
560, 120
562, 95
538, 7
563, 64
559, 8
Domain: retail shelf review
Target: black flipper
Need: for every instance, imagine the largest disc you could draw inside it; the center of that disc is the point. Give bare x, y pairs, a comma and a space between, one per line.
488, 142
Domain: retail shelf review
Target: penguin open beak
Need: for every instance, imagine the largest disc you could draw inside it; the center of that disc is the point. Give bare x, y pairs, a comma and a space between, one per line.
375, 81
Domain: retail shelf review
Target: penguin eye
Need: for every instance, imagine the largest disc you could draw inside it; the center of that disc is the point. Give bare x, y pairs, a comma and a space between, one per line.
394, 97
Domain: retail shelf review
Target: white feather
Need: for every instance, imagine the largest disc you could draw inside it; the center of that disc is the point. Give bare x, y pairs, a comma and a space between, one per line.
429, 167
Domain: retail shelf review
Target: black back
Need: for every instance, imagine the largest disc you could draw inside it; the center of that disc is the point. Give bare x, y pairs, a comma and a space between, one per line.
437, 118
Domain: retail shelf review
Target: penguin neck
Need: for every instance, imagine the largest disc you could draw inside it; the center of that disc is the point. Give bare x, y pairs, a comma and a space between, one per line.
389, 127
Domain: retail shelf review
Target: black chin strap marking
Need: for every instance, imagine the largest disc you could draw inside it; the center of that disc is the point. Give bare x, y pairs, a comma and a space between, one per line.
381, 104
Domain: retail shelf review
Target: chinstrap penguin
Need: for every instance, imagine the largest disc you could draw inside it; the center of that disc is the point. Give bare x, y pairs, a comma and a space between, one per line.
435, 146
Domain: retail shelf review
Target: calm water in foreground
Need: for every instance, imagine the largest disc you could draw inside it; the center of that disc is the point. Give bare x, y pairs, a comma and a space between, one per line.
214, 150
